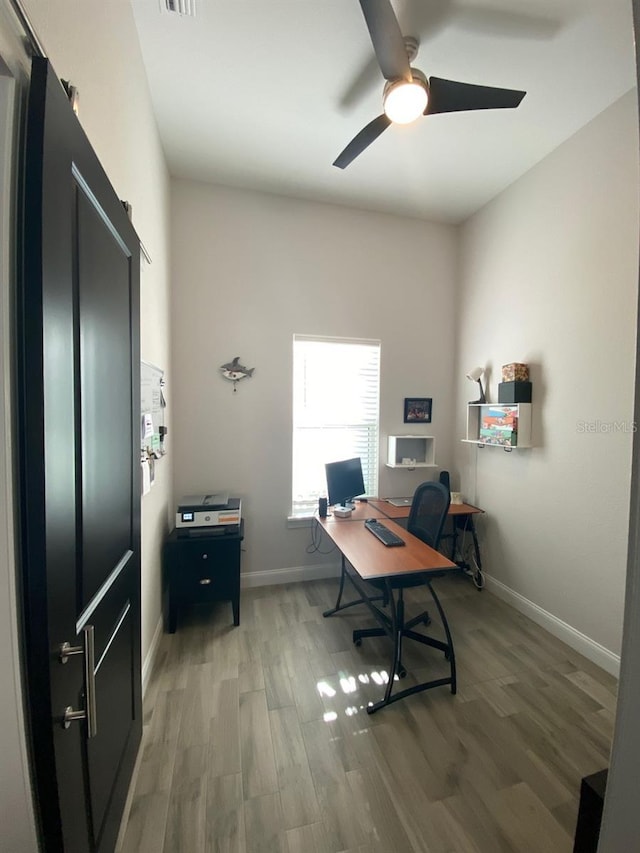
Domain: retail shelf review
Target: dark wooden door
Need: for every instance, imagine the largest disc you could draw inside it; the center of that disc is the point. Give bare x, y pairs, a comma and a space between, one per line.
79, 430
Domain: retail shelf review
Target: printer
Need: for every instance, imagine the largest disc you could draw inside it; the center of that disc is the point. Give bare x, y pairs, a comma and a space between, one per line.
213, 513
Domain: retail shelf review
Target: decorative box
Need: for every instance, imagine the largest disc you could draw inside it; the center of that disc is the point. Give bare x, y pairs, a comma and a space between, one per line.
500, 426
503, 437
514, 392
515, 372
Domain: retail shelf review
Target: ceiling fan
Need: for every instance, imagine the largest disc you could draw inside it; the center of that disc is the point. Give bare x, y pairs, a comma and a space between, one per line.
408, 93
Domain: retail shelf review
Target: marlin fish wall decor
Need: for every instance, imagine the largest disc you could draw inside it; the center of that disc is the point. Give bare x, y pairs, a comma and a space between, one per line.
234, 371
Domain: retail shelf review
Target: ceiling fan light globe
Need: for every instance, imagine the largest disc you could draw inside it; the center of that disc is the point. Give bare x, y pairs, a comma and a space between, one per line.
405, 101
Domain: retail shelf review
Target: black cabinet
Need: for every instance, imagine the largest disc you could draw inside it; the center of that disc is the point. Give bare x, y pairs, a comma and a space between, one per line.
202, 568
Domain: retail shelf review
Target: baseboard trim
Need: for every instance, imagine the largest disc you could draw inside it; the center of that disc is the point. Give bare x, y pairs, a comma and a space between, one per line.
593, 651
147, 666
294, 574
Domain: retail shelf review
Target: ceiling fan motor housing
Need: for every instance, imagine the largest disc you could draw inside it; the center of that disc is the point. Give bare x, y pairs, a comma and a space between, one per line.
416, 74
411, 45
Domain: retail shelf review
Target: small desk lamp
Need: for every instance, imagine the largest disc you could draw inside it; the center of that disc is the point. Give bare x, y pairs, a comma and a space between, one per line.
475, 375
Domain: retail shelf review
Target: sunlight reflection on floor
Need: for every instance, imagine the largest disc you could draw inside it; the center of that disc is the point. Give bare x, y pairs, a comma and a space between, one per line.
351, 685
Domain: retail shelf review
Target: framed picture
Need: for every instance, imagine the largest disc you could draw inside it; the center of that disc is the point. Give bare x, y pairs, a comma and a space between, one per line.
417, 410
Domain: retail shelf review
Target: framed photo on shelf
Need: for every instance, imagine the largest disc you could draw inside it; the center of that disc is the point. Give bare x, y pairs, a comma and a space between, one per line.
417, 410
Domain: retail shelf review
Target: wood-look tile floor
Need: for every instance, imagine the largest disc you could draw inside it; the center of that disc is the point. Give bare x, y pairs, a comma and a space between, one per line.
256, 737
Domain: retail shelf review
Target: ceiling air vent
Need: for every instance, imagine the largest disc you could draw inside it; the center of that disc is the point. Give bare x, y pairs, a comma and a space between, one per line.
181, 7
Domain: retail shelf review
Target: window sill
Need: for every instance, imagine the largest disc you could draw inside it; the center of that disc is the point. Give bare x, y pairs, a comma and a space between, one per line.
300, 520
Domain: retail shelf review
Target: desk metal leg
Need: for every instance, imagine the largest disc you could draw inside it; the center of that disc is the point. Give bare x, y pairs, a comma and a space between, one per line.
394, 626
340, 591
338, 605
397, 619
450, 653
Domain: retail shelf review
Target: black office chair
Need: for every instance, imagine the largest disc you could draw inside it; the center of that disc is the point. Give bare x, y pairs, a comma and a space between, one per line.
428, 513
426, 521
445, 479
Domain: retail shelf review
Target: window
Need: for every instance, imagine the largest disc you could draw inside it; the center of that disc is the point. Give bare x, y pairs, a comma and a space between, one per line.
336, 403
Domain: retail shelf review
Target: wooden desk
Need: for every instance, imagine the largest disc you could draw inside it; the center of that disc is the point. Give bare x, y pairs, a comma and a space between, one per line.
365, 558
461, 516
391, 511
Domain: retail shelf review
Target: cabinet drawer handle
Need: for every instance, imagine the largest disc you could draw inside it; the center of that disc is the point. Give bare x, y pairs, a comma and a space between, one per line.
205, 581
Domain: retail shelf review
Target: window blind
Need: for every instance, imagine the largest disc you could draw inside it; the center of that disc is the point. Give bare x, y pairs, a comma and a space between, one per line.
336, 405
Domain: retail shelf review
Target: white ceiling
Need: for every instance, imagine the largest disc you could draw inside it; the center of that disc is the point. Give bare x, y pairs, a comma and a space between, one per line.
264, 94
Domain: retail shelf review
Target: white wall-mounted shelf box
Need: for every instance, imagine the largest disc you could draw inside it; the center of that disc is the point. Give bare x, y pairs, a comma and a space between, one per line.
506, 425
419, 450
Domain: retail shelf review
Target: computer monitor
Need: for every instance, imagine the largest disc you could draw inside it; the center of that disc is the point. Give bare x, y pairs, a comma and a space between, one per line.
344, 481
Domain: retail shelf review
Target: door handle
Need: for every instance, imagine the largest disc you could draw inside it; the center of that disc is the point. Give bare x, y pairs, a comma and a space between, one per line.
89, 712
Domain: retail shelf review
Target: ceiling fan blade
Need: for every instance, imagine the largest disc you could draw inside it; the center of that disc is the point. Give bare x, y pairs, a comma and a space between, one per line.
386, 36
449, 96
366, 136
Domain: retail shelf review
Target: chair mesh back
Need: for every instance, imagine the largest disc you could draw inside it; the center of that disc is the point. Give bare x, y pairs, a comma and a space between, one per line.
428, 512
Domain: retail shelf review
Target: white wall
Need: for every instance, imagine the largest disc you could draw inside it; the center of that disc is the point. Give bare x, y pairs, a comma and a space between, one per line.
252, 269
549, 276
95, 45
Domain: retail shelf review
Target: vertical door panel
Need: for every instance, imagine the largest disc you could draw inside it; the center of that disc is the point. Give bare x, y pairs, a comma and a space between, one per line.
105, 394
114, 713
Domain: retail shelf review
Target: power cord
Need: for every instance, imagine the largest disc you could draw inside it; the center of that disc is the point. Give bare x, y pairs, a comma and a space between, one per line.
316, 539
468, 555
474, 573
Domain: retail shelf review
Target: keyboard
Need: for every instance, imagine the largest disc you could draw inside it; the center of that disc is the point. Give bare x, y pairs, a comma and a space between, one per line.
386, 536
